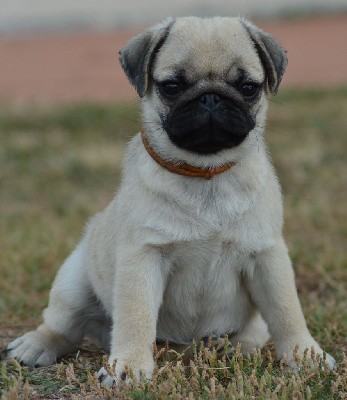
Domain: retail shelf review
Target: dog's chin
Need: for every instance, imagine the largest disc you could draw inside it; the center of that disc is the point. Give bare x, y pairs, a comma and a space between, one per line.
206, 140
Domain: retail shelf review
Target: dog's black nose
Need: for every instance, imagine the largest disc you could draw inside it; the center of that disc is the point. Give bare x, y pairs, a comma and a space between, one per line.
209, 101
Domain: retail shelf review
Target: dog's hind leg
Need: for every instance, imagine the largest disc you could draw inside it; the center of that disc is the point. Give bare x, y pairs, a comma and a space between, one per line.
254, 335
64, 320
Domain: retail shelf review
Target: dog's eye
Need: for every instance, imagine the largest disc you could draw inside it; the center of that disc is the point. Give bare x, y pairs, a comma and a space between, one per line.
170, 88
249, 90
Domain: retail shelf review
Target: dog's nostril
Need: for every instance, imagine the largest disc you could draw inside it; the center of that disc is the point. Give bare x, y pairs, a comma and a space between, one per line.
209, 101
216, 98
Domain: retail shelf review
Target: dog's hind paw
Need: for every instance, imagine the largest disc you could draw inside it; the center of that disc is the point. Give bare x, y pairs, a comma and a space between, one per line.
221, 343
39, 348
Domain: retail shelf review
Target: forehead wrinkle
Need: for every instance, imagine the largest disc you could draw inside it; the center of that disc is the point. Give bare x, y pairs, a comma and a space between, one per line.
222, 44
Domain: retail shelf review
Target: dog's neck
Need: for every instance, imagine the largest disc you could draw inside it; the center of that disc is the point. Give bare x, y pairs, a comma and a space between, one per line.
184, 169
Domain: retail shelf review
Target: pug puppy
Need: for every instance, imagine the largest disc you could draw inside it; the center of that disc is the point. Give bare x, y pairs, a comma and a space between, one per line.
191, 245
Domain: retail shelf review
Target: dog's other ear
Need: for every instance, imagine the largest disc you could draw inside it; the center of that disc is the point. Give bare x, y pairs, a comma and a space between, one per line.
137, 56
272, 55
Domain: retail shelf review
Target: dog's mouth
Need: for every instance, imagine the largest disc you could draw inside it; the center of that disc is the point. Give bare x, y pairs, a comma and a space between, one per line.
208, 124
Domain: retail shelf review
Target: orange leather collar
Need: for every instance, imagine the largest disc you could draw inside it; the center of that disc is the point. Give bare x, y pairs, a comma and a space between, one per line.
184, 169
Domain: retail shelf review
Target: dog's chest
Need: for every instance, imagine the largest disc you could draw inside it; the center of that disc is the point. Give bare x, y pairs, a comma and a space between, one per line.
204, 292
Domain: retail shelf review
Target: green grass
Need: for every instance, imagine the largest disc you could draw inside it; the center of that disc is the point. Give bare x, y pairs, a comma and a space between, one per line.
61, 165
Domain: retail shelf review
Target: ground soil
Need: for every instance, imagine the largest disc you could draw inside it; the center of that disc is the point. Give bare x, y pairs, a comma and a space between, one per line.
84, 66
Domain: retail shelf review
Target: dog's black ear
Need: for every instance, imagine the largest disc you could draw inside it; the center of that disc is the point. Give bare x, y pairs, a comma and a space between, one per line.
272, 55
137, 56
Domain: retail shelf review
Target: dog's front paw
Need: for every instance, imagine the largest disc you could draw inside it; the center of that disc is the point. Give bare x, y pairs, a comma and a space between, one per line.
304, 347
125, 370
106, 379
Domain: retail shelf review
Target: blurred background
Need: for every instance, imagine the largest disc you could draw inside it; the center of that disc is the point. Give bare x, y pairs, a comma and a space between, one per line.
58, 51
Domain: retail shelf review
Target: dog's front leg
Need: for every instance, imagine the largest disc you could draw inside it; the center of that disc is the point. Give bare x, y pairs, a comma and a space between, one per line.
272, 287
138, 293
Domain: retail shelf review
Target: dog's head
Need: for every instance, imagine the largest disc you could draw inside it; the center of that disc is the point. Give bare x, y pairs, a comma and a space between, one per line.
204, 81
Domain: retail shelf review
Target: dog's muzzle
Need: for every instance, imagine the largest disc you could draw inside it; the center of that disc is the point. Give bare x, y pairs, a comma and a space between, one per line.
209, 124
